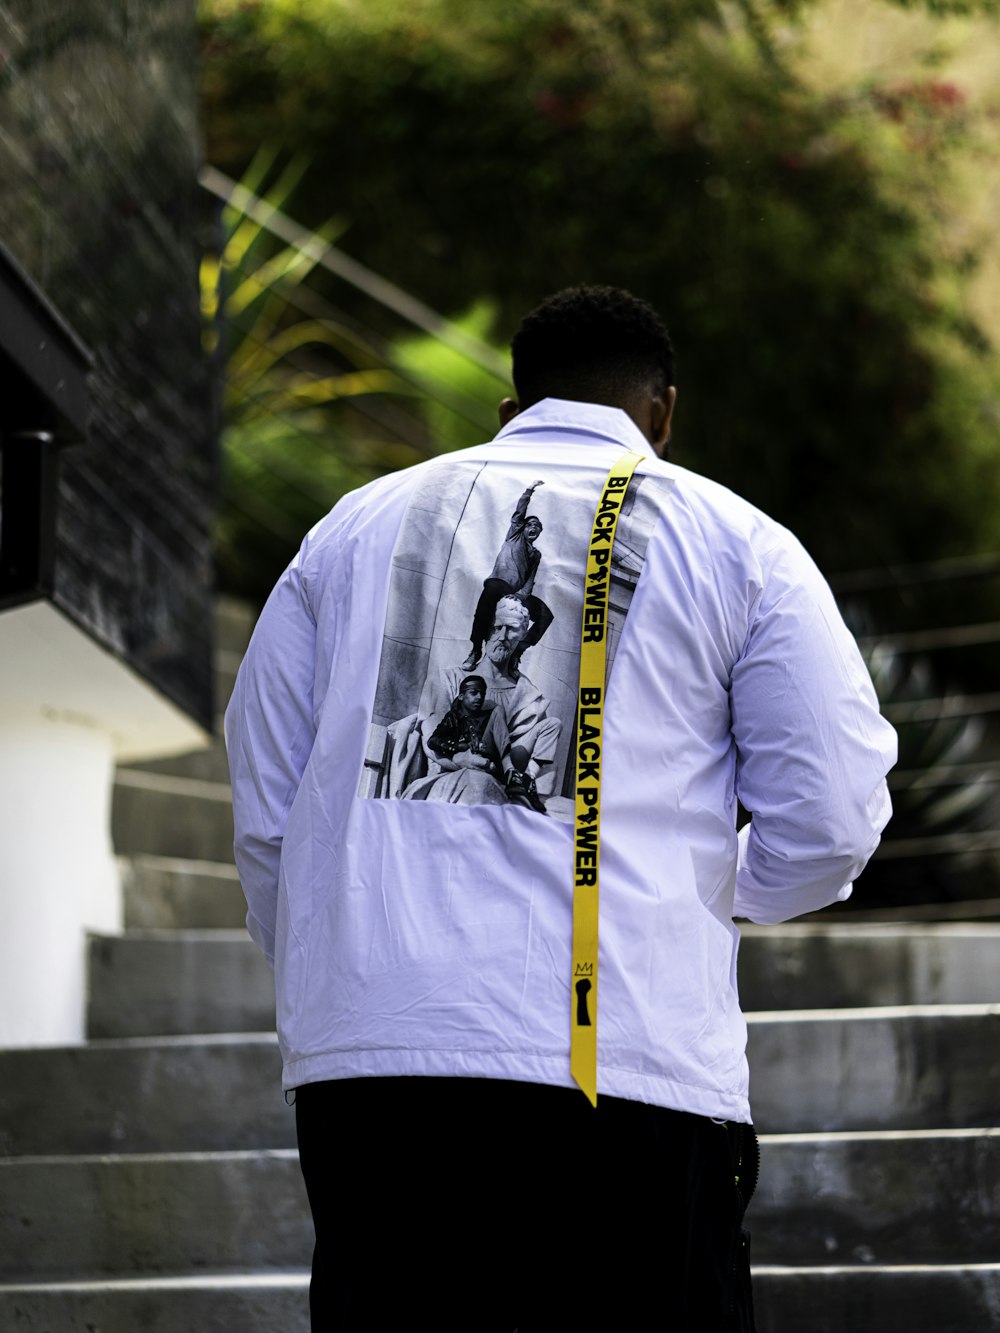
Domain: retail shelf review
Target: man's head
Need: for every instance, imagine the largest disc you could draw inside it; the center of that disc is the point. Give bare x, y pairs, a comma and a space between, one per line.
511, 623
596, 345
533, 528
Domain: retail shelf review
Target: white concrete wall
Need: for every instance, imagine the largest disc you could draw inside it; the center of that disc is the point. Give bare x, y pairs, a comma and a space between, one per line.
69, 710
58, 877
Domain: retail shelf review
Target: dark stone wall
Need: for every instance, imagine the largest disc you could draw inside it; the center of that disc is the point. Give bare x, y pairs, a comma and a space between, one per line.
99, 150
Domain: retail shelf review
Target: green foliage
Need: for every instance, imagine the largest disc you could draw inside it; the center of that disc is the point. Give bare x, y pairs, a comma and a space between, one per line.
461, 399
288, 451
945, 7
797, 245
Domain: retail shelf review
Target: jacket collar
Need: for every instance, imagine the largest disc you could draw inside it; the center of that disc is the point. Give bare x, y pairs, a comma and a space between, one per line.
605, 424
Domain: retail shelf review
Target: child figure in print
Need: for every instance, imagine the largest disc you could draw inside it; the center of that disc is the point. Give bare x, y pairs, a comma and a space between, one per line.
470, 735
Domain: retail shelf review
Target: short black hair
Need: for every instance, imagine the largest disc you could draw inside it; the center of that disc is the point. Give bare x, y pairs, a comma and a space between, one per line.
592, 344
472, 680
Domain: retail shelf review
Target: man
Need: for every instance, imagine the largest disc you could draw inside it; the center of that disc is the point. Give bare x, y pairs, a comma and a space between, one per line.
513, 573
423, 951
520, 727
532, 732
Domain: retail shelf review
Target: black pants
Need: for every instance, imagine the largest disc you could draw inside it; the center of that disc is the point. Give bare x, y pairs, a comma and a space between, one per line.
488, 1206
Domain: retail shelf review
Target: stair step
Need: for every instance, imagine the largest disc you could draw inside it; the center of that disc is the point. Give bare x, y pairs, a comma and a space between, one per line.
144, 984
63, 1217
170, 1094
878, 1197
854, 1198
910, 1068
159, 815
233, 625
953, 1298
208, 765
158, 984
207, 1303
169, 893
851, 966
904, 1067
946, 1298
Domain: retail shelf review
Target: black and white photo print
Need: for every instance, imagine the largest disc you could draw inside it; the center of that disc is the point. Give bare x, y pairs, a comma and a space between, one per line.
478, 676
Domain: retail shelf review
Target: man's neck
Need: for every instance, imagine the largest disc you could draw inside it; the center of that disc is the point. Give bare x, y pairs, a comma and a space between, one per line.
493, 674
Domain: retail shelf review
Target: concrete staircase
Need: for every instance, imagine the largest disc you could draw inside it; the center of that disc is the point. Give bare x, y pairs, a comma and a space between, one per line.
879, 1200
148, 1180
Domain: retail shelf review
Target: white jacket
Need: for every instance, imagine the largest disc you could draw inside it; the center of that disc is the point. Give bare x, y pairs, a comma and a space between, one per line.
419, 922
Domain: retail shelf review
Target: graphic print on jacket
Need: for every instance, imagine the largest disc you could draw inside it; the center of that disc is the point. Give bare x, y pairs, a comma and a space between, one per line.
478, 676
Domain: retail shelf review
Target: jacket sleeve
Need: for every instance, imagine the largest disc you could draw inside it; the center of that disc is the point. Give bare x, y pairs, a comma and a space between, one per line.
270, 732
813, 750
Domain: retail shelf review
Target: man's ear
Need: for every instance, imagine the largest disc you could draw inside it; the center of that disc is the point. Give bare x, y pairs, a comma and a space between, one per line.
661, 411
508, 410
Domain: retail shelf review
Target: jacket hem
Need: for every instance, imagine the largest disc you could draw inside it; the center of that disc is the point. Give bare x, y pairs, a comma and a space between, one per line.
518, 1067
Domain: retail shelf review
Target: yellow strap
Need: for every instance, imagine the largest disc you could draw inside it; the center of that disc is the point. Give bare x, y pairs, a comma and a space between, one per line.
589, 739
